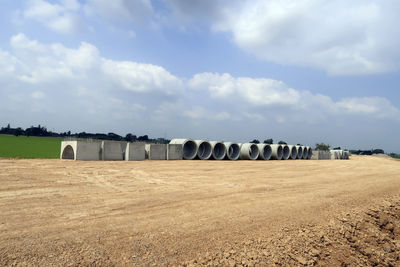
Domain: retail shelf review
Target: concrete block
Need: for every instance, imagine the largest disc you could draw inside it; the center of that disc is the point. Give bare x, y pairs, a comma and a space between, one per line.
174, 152
81, 150
112, 150
156, 151
315, 155
321, 155
135, 151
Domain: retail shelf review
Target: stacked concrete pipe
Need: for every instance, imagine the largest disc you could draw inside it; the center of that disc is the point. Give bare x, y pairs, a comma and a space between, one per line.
218, 150
299, 152
249, 151
286, 152
265, 151
293, 152
232, 150
276, 152
204, 149
305, 152
189, 147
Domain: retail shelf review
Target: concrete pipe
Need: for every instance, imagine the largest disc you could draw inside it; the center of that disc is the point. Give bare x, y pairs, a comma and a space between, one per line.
232, 150
189, 147
204, 149
286, 152
309, 152
249, 151
265, 151
293, 152
299, 152
305, 152
276, 152
218, 150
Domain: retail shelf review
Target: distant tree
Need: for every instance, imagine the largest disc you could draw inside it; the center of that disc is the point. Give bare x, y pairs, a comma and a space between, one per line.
269, 141
378, 151
337, 148
282, 143
322, 146
130, 137
18, 131
143, 138
255, 141
114, 136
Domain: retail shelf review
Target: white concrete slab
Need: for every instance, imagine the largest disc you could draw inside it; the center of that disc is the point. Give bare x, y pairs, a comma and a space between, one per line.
156, 151
174, 152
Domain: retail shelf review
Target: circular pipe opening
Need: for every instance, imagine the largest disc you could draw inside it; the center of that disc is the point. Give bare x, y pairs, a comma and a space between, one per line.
309, 153
280, 153
219, 151
189, 149
204, 150
293, 153
253, 151
299, 152
286, 152
305, 153
233, 151
267, 152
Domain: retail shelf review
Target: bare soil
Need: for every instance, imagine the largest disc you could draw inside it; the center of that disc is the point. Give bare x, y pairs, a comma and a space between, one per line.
243, 213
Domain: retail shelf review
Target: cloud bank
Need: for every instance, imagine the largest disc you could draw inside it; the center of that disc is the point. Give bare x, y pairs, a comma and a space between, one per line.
64, 86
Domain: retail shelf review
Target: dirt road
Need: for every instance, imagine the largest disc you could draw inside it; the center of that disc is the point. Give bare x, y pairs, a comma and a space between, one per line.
332, 212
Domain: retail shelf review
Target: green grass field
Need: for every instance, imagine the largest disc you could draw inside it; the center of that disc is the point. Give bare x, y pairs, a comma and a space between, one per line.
29, 147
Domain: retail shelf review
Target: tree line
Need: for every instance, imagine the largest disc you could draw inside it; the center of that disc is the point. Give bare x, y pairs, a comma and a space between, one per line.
42, 131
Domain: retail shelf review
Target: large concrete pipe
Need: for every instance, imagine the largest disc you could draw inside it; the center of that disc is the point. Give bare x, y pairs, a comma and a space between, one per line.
292, 152
299, 152
249, 151
286, 152
276, 152
204, 149
232, 150
305, 152
265, 151
309, 152
189, 147
218, 150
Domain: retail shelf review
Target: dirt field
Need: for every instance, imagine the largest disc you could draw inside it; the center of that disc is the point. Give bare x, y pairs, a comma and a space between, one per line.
327, 213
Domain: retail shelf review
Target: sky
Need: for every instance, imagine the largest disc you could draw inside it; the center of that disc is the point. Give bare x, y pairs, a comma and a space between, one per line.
304, 71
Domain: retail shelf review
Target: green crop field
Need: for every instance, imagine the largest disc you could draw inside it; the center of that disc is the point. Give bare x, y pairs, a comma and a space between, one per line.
29, 147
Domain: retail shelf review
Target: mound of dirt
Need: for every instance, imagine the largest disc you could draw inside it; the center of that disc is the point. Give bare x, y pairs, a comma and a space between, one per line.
381, 156
369, 238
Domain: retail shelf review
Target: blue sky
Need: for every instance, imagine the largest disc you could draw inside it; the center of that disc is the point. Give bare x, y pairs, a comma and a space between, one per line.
302, 71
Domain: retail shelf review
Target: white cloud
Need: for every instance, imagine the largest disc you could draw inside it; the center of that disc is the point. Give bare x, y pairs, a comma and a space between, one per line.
60, 17
340, 37
274, 96
37, 63
255, 91
140, 77
375, 106
78, 86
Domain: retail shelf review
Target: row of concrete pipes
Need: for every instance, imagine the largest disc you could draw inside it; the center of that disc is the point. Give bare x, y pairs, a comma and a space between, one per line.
180, 149
203, 150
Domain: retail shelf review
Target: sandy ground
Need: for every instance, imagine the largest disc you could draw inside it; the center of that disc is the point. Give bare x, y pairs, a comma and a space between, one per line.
333, 212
